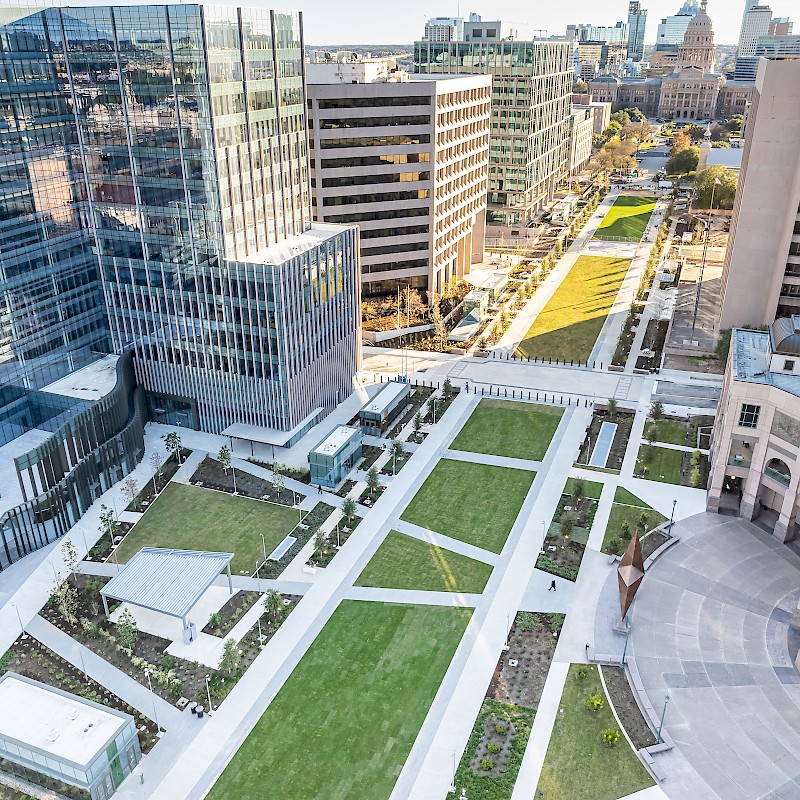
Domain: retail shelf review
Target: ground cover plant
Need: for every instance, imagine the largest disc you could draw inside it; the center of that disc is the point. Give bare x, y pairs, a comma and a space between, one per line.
358, 729
578, 765
629, 515
475, 503
191, 518
506, 428
568, 326
403, 562
627, 219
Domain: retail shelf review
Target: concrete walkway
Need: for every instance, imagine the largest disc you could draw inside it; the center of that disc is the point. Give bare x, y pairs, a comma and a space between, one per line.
447, 542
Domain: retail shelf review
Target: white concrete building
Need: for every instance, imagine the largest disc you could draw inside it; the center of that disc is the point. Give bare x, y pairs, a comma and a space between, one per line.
581, 133
755, 453
761, 280
444, 29
406, 158
672, 29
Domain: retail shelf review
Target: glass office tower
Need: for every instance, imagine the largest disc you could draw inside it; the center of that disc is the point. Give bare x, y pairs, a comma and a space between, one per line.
531, 107
177, 150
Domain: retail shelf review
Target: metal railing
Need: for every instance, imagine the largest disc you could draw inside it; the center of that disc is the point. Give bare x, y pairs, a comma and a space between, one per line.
782, 478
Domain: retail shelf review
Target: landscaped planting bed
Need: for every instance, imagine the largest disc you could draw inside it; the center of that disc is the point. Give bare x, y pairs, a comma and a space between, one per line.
192, 518
344, 721
419, 396
568, 326
621, 696
403, 562
475, 503
211, 475
166, 472
506, 428
369, 454
672, 466
626, 337
624, 423
578, 765
654, 340
491, 761
336, 540
303, 533
638, 519
222, 622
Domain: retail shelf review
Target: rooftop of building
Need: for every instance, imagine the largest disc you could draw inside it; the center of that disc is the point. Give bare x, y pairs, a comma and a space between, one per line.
336, 440
750, 354
281, 252
90, 383
62, 725
785, 336
385, 397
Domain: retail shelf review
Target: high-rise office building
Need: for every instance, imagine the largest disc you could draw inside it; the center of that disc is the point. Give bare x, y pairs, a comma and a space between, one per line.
531, 90
171, 141
405, 157
671, 30
761, 278
444, 29
637, 27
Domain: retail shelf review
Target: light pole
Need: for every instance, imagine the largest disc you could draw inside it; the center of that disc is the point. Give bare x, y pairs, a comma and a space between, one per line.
260, 636
264, 546
21, 626
625, 649
672, 517
208, 693
663, 714
150, 684
258, 575
707, 238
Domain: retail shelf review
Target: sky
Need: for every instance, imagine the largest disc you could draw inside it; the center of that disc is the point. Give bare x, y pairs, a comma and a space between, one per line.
390, 22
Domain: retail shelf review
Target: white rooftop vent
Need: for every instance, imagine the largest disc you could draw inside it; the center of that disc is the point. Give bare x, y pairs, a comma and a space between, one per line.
53, 735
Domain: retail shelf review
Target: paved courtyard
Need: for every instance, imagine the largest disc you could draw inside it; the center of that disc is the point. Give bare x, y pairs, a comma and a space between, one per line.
714, 628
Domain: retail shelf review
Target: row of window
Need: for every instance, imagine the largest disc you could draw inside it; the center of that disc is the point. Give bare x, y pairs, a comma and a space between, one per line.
376, 141
372, 102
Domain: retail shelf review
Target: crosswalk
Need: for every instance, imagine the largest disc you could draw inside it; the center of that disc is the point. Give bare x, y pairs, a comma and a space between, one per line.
623, 388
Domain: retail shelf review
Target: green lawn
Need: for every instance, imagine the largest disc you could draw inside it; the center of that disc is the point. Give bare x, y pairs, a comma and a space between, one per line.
659, 464
577, 765
592, 489
403, 562
568, 326
622, 495
670, 431
191, 518
506, 428
474, 503
627, 218
342, 725
630, 514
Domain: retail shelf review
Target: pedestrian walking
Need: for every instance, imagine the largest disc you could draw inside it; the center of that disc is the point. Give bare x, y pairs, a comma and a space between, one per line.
552, 586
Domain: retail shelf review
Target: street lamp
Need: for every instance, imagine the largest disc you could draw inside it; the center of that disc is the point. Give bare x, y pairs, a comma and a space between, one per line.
264, 546
208, 693
21, 626
717, 182
150, 684
672, 517
663, 714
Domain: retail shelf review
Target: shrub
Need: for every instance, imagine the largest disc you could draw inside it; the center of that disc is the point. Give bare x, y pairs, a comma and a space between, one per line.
595, 703
614, 545
527, 620
493, 748
625, 530
230, 659
214, 619
582, 673
486, 764
568, 521
500, 730
695, 458
695, 477
610, 737
127, 630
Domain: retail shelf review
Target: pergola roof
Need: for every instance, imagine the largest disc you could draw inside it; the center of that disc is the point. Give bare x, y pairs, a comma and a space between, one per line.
169, 581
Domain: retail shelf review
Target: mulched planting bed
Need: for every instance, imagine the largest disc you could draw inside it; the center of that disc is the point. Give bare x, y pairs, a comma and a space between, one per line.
392, 468
102, 549
312, 521
334, 543
369, 455
223, 621
417, 399
623, 350
621, 696
652, 542
32, 659
504, 722
624, 423
564, 561
656, 336
345, 488
149, 491
211, 475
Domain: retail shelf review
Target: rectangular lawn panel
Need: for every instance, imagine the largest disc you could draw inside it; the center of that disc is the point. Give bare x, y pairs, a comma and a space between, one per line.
591, 489
568, 326
577, 765
626, 498
475, 503
403, 562
627, 218
659, 464
670, 431
342, 725
192, 518
620, 514
506, 428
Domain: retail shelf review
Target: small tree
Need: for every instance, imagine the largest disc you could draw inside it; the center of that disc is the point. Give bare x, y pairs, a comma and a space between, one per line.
433, 408
644, 519
108, 524
612, 409
578, 491
439, 328
447, 389
224, 458
64, 596
373, 481
172, 441
626, 530
130, 489
349, 508
398, 451
567, 524
231, 658
417, 425
273, 604
695, 478
595, 703
70, 556
657, 411
155, 462
127, 630
278, 480
320, 543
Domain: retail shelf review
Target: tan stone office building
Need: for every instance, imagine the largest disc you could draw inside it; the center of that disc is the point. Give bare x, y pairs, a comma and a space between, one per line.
406, 158
761, 278
755, 452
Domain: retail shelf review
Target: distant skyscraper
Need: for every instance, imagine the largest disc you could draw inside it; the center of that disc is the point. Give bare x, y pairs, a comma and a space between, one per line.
637, 26
755, 24
444, 29
671, 30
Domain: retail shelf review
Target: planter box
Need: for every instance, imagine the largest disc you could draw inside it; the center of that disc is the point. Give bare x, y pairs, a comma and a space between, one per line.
612, 368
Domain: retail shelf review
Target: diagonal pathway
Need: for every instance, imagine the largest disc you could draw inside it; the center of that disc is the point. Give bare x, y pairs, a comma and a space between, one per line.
446, 542
413, 597
493, 461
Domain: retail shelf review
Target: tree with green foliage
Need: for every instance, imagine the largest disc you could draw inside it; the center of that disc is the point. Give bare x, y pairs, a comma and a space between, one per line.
417, 425
612, 409
656, 411
567, 523
273, 604
278, 478
398, 451
224, 458
70, 555
127, 630
718, 183
683, 162
578, 491
373, 481
64, 597
349, 508
108, 522
735, 123
447, 388
172, 441
231, 657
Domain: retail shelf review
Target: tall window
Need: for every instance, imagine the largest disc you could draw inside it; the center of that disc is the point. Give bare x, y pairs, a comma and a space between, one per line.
748, 416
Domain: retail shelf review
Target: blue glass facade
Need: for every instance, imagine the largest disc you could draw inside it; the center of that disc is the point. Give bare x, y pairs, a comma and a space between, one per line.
178, 186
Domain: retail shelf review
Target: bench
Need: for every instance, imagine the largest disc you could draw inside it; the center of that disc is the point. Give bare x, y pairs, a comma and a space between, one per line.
282, 549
